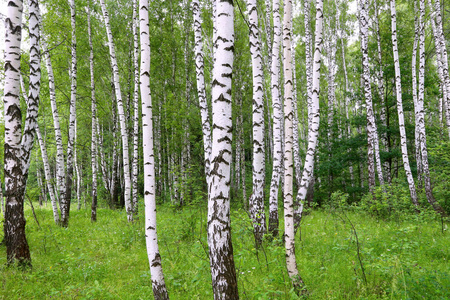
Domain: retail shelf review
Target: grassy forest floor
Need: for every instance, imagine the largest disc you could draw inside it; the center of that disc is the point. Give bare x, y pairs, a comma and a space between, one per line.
404, 258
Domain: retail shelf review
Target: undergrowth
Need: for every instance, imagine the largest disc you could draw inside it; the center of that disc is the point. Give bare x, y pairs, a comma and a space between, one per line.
403, 258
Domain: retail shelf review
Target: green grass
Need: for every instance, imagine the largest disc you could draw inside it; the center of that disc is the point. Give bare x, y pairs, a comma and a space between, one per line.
403, 259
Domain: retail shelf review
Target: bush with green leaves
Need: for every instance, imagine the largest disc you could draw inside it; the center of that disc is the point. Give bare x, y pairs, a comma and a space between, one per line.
389, 201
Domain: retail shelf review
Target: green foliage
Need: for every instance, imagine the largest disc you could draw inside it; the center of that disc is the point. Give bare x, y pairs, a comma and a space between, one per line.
440, 160
389, 201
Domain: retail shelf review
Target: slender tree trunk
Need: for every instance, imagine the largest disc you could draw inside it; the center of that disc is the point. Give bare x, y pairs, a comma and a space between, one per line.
313, 130
135, 159
414, 93
154, 258
77, 168
441, 48
120, 108
401, 119
66, 201
94, 144
199, 69
48, 176
223, 273
257, 212
60, 166
372, 135
289, 231
381, 91
421, 121
277, 120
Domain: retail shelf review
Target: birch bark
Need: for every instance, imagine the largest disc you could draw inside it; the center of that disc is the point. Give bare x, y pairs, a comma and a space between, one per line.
94, 143
48, 176
277, 120
401, 120
421, 114
223, 273
17, 250
154, 258
414, 93
289, 231
257, 212
441, 47
66, 200
135, 159
313, 130
381, 90
372, 135
121, 111
60, 166
201, 92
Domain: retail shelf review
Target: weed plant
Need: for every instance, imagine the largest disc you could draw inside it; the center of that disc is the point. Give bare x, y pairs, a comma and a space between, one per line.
403, 258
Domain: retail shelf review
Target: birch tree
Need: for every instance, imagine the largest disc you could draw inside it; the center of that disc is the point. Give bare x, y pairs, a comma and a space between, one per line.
421, 114
372, 135
257, 199
60, 166
289, 231
277, 120
47, 175
121, 111
135, 160
381, 89
94, 143
65, 202
313, 129
223, 272
199, 70
18, 145
441, 49
401, 119
154, 258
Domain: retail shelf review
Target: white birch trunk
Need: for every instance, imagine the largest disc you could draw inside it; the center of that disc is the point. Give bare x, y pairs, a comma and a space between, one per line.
154, 258
77, 168
15, 179
277, 120
48, 176
381, 90
421, 113
199, 70
60, 166
441, 48
66, 200
372, 135
289, 231
135, 169
121, 111
313, 130
257, 212
414, 92
401, 119
94, 125
223, 272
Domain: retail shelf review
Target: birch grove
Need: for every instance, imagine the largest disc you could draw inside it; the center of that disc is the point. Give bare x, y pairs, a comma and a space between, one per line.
192, 129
